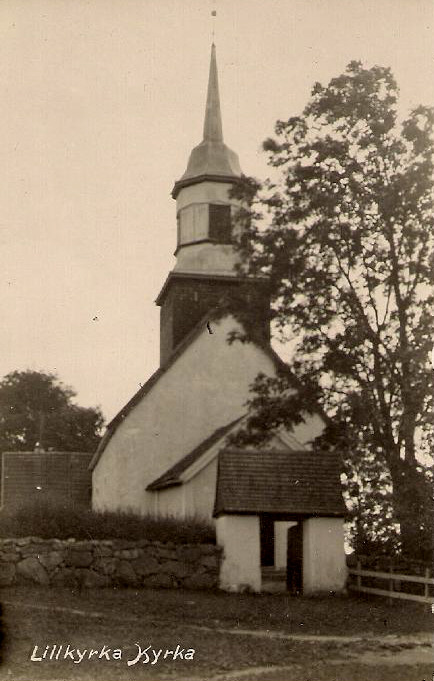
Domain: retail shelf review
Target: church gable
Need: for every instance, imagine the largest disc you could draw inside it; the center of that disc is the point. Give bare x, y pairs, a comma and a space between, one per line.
205, 387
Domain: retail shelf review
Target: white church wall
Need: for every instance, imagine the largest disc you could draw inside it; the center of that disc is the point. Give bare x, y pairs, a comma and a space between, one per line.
205, 388
169, 502
310, 429
194, 498
109, 492
324, 564
200, 492
240, 566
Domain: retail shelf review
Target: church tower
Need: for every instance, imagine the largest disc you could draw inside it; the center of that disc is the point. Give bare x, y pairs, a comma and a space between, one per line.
205, 273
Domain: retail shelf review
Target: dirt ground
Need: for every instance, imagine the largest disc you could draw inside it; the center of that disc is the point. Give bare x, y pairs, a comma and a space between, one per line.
234, 637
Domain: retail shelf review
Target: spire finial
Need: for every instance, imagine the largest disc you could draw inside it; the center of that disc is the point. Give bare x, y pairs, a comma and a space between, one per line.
213, 20
212, 129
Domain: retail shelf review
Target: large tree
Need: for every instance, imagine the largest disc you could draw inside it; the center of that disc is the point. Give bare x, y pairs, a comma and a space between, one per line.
37, 408
344, 232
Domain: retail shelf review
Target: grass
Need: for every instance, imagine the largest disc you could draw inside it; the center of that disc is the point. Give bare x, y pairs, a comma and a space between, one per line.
338, 616
49, 520
206, 622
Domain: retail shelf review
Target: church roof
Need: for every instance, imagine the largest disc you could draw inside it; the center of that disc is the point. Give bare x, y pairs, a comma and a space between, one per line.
211, 159
280, 482
172, 475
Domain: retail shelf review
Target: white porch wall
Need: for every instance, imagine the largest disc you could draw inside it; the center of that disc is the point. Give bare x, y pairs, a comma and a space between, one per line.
324, 564
239, 537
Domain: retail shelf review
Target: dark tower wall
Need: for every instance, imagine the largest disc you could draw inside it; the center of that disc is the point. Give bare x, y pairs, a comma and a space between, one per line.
187, 299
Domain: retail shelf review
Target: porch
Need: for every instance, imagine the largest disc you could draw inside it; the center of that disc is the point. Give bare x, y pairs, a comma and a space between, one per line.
280, 522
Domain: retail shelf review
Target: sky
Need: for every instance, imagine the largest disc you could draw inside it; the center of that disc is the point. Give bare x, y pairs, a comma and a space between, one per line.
101, 102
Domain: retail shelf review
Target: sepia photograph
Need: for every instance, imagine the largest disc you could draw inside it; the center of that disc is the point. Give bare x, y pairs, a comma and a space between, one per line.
217, 346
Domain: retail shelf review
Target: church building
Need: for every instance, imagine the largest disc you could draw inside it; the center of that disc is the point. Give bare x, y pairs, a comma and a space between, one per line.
276, 508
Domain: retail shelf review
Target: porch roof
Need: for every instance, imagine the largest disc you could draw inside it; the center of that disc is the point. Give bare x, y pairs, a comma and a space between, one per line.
279, 482
172, 476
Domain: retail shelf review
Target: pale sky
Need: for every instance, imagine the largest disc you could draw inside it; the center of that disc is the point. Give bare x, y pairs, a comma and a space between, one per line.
101, 102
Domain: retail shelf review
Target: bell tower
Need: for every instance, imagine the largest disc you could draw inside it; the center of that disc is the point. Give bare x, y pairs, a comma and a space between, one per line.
205, 272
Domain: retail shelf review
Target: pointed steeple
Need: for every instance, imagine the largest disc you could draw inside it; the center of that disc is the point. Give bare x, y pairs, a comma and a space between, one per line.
211, 159
206, 270
212, 129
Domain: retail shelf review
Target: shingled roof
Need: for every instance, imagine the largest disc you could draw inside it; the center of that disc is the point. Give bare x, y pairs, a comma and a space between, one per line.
280, 482
172, 476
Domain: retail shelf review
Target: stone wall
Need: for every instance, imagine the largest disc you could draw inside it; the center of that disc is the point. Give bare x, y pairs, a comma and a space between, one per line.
101, 563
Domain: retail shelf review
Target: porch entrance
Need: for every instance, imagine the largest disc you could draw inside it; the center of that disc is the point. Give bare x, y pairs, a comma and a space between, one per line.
281, 552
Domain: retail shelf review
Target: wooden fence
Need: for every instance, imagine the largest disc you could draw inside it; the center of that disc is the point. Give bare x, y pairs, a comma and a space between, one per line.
394, 580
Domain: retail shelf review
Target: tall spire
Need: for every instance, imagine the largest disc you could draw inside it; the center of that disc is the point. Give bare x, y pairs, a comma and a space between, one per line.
211, 159
212, 129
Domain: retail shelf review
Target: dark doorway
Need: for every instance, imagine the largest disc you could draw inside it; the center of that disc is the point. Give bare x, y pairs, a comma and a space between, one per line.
266, 525
294, 571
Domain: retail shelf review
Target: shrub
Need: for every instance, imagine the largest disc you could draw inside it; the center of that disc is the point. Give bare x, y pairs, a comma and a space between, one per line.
53, 520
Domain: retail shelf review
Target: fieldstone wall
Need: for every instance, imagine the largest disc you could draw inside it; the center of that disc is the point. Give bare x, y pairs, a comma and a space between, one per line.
101, 563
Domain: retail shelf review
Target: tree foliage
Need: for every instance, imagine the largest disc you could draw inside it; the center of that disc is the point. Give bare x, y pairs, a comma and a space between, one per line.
37, 408
345, 234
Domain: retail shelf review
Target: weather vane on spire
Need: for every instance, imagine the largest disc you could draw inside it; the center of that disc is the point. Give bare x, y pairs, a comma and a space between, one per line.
213, 18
